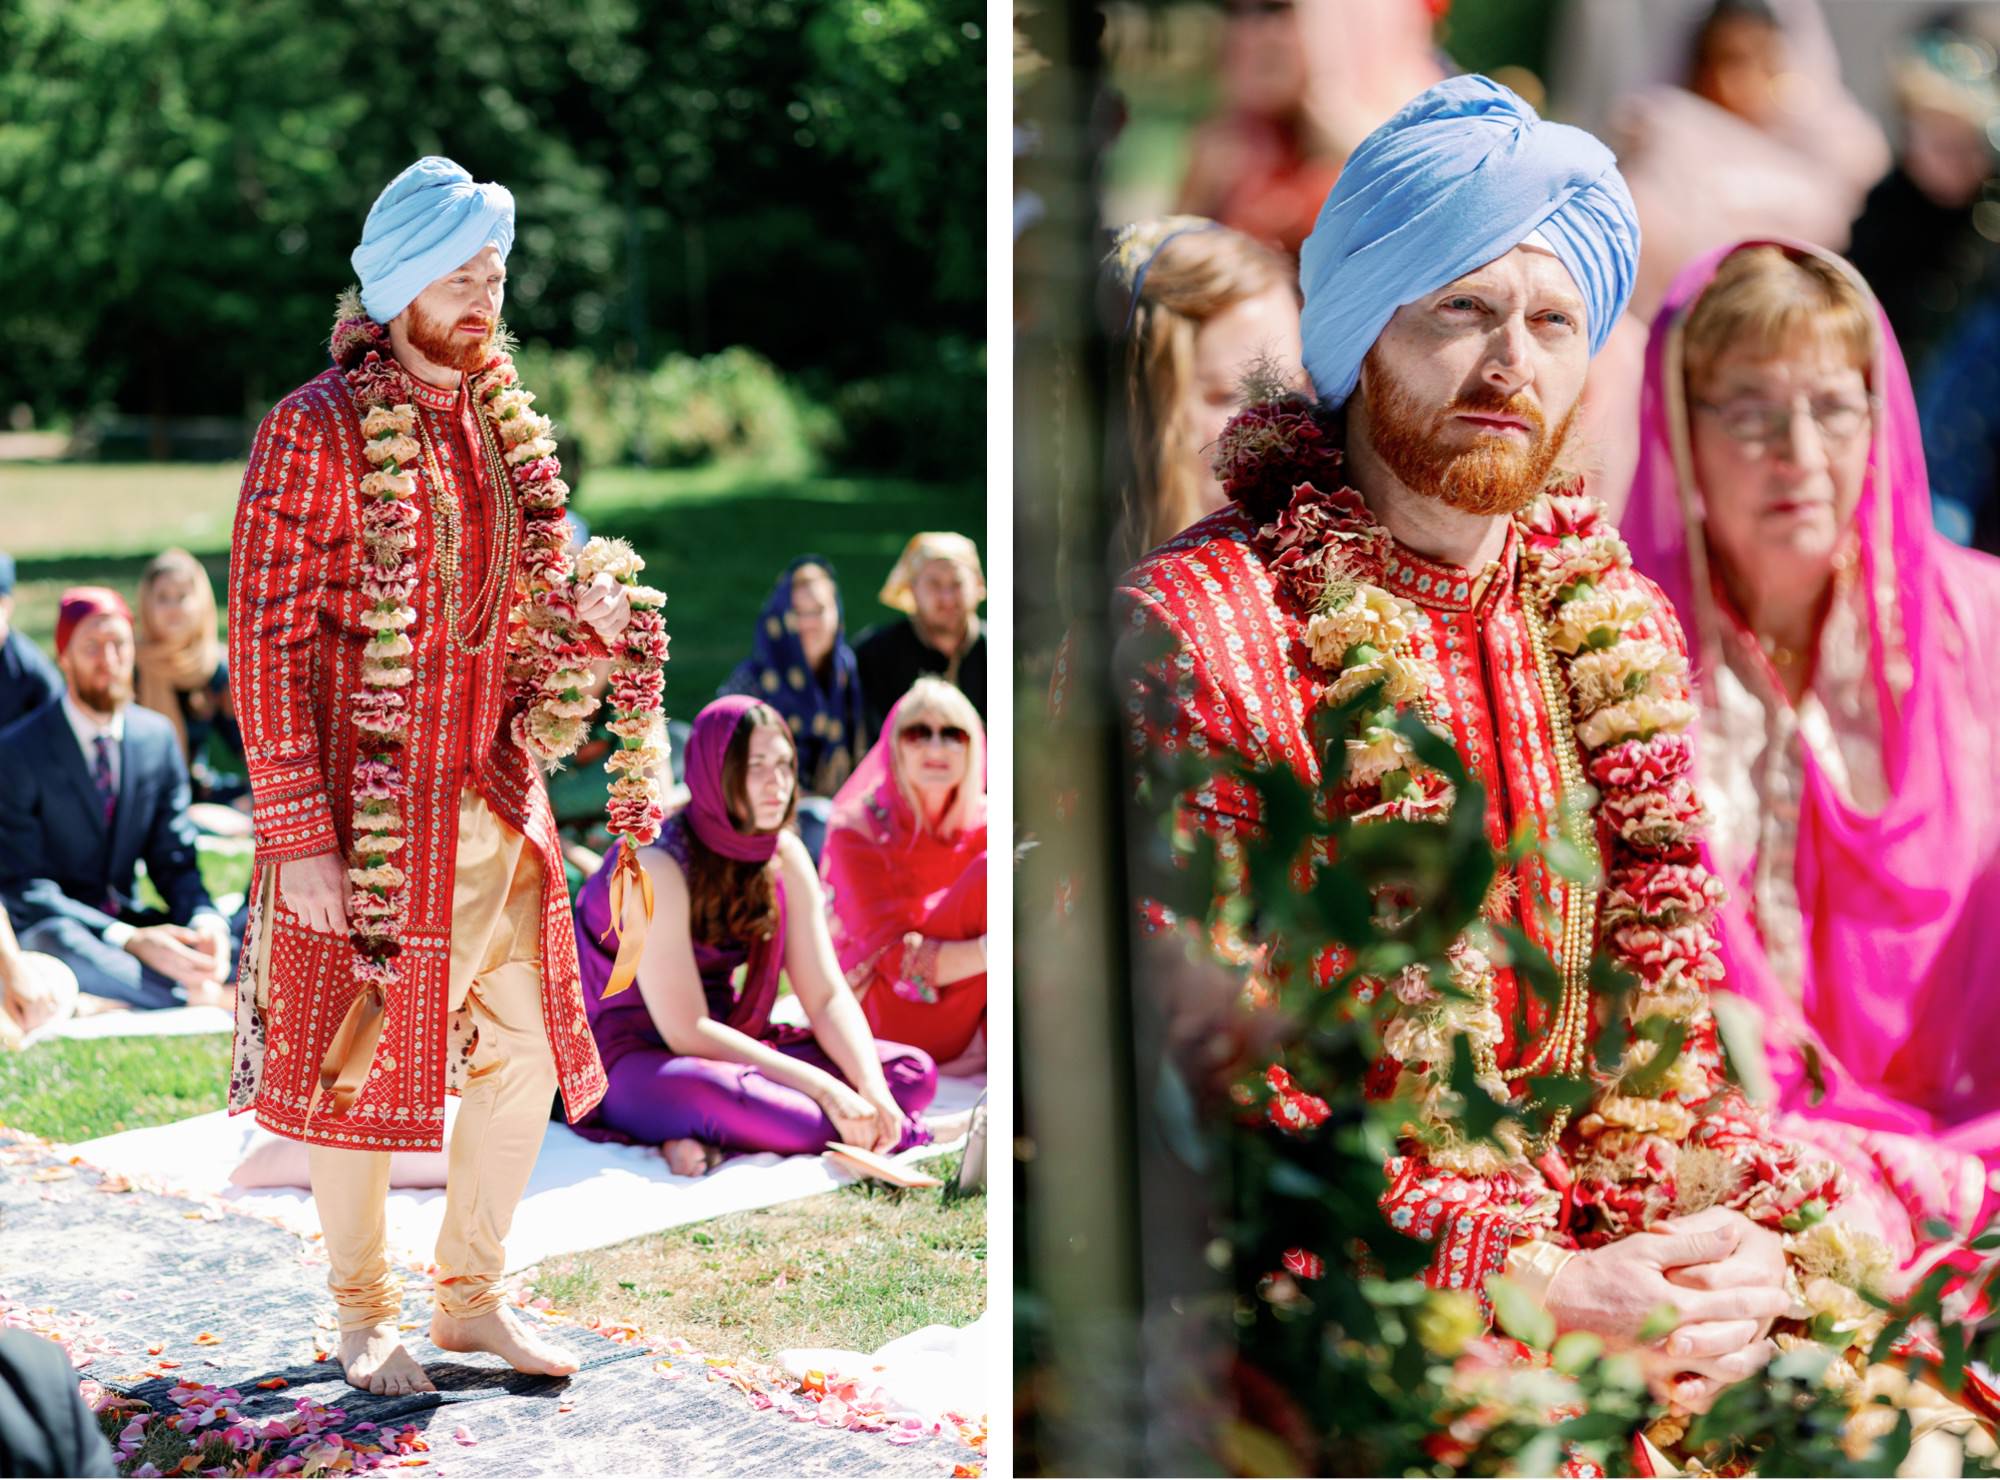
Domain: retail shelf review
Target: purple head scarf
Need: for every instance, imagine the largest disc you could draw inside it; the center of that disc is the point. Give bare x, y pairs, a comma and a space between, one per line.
708, 808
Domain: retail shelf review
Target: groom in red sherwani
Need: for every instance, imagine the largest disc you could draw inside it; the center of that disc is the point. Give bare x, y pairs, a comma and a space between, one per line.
410, 930
1413, 526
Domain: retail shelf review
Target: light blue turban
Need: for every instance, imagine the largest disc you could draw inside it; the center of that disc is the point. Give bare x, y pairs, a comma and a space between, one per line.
431, 218
1462, 175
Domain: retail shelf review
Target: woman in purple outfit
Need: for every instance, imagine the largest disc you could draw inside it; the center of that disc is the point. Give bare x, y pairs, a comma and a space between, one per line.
696, 1065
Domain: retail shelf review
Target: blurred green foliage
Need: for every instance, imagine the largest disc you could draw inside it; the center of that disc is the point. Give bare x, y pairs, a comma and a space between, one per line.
181, 182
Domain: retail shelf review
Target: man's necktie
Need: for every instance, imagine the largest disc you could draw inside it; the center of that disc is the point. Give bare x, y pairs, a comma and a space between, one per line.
107, 789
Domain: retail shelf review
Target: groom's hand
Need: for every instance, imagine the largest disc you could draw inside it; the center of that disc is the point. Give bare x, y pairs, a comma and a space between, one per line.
1615, 1289
315, 890
605, 606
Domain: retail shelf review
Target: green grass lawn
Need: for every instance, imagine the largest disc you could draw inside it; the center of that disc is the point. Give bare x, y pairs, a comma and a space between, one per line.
853, 1268
714, 539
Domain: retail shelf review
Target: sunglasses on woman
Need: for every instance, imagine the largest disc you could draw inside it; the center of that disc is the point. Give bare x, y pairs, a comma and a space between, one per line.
924, 734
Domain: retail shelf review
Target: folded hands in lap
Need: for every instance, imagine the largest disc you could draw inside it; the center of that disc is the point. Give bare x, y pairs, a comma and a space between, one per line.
1724, 1274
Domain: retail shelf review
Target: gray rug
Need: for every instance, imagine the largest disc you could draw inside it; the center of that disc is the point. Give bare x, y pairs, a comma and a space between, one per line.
147, 1272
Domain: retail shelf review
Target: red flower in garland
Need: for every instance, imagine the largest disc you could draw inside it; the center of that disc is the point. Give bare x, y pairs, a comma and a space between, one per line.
1291, 1108
1269, 449
1305, 1264
1632, 764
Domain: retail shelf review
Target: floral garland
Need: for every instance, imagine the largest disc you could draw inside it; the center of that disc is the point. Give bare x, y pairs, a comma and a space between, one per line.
1646, 1153
548, 651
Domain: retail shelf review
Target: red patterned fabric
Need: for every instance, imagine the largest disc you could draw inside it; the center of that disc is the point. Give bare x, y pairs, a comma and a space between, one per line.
1222, 671
295, 644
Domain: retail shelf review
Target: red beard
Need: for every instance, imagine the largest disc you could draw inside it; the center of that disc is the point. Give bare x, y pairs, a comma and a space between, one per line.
442, 344
1491, 478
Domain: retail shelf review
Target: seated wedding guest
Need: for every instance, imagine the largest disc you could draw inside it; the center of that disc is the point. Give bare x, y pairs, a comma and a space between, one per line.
1200, 308
905, 872
89, 787
801, 665
1850, 718
938, 581
696, 1065
35, 990
28, 680
183, 671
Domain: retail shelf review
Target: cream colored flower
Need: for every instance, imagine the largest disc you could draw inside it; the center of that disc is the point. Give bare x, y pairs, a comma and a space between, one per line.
1644, 715
389, 645
401, 448
382, 676
1596, 620
603, 556
525, 427
390, 621
1839, 1252
530, 450
645, 598
382, 876
383, 484
1625, 669
381, 421
1380, 751
1369, 615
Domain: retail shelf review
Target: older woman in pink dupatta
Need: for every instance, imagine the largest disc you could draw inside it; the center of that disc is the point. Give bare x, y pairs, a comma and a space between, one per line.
1851, 756
905, 874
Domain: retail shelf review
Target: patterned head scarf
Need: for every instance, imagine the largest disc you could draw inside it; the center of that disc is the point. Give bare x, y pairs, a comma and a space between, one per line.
1462, 175
825, 714
431, 219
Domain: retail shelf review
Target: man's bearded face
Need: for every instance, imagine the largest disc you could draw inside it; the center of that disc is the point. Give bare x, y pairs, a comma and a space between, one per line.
454, 321
1495, 474
98, 663
449, 342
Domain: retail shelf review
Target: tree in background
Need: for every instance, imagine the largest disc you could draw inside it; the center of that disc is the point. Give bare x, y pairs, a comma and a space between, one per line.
181, 182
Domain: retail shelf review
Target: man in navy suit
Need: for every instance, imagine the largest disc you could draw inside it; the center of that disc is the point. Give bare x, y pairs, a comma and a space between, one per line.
90, 786
27, 679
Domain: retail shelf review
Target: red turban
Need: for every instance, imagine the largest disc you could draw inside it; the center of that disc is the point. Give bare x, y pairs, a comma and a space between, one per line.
79, 604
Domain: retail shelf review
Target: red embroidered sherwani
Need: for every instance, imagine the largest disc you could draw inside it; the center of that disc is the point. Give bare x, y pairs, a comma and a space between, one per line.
1223, 670
295, 645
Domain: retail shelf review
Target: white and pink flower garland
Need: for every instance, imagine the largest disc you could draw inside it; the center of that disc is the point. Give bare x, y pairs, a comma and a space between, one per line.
549, 654
1631, 714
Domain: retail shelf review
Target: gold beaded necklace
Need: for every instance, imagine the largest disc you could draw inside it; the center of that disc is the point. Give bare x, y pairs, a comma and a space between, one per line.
487, 606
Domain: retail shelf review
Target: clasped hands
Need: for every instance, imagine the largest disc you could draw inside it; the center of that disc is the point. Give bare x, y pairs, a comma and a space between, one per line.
194, 956
1724, 1274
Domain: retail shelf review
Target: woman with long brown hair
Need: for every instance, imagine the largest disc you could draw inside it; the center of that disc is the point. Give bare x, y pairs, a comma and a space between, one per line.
696, 1065
1202, 309
181, 670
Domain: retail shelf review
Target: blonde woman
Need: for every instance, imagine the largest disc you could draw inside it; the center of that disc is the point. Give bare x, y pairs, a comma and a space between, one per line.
182, 671
1203, 308
905, 873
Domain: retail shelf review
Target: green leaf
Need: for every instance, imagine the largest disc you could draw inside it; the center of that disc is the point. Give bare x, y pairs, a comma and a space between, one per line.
1576, 1350
1663, 1321
1519, 1314
1801, 1364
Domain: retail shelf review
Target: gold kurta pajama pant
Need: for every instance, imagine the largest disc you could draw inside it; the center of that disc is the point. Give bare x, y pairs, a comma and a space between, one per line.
496, 973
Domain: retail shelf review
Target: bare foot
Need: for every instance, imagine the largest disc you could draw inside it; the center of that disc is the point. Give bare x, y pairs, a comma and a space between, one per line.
945, 1129
688, 1157
500, 1332
376, 1362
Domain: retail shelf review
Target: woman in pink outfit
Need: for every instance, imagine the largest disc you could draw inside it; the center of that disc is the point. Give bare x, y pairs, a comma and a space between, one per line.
1850, 741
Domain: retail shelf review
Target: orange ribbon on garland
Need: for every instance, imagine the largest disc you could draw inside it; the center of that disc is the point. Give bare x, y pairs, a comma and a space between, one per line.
629, 882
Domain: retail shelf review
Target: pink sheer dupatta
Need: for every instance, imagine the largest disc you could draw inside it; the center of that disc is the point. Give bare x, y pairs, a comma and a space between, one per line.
885, 871
1891, 1046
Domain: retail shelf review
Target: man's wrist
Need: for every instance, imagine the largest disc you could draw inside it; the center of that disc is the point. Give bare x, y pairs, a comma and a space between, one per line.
1532, 1266
118, 935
